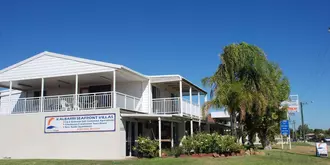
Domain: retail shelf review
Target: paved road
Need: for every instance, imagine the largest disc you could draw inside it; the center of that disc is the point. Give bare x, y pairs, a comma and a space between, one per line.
313, 143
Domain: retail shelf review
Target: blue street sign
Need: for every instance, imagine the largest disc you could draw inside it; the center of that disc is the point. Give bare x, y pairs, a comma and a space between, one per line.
284, 125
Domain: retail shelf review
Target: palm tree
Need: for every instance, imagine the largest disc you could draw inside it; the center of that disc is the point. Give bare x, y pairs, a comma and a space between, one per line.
238, 85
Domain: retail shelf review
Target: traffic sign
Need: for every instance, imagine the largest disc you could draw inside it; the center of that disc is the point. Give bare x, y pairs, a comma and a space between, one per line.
285, 130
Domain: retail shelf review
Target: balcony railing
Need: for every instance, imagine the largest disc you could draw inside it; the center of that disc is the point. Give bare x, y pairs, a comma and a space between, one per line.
86, 101
166, 105
172, 106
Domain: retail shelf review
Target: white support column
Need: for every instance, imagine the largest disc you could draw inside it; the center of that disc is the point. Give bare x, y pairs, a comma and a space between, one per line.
184, 129
42, 95
190, 99
76, 92
10, 89
136, 134
200, 111
130, 138
150, 97
199, 98
207, 123
114, 90
160, 136
172, 141
191, 127
10, 92
181, 105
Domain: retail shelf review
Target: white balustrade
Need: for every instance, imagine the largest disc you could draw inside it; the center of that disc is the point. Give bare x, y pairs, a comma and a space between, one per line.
172, 106
166, 105
86, 101
58, 103
128, 102
25, 105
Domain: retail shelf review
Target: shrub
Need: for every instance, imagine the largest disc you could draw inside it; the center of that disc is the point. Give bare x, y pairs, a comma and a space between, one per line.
146, 147
210, 143
168, 152
228, 143
188, 145
177, 151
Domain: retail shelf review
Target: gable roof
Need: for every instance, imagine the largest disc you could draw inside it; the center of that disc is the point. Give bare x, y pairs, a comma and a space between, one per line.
67, 57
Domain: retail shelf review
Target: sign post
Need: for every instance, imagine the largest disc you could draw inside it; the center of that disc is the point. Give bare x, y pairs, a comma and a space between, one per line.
292, 105
285, 130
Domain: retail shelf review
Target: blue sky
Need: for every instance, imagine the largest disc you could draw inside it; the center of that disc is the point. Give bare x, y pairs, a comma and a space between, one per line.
179, 37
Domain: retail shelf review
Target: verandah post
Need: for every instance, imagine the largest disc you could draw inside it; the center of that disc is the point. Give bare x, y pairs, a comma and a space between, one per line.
172, 141
180, 84
160, 136
190, 100
10, 92
114, 89
42, 95
76, 92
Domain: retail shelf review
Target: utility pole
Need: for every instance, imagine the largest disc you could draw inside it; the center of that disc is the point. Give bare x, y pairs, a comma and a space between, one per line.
302, 122
302, 119
294, 130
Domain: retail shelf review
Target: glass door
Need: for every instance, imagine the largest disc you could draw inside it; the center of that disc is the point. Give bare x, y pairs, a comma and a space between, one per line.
131, 137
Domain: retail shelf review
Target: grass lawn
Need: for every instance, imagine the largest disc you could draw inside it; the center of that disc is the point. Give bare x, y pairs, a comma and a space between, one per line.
299, 155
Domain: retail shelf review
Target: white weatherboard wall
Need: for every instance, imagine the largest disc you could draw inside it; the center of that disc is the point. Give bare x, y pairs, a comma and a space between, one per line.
146, 97
23, 137
5, 107
130, 88
50, 66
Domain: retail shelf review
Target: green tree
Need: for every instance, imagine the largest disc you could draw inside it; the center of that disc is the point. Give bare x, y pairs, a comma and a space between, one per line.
236, 82
250, 88
268, 123
304, 129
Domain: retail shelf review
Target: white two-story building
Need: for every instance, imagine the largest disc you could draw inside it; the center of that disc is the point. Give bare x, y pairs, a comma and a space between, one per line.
63, 107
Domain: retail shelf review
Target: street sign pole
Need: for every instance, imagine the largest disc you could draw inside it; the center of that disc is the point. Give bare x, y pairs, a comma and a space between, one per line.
289, 131
285, 131
282, 141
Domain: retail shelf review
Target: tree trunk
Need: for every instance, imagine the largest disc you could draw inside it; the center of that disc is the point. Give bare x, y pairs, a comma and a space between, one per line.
265, 141
251, 137
233, 124
242, 133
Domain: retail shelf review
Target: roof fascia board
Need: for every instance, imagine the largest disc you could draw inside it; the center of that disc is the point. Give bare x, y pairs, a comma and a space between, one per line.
197, 87
52, 54
22, 62
63, 57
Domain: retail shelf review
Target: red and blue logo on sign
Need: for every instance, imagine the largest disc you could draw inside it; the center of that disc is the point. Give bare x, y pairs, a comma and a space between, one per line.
49, 123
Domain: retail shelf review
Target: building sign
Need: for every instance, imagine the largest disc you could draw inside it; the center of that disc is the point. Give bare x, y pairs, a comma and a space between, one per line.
285, 130
321, 149
292, 103
80, 123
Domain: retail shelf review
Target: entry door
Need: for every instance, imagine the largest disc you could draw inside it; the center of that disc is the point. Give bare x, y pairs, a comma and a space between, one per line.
128, 138
134, 138
131, 138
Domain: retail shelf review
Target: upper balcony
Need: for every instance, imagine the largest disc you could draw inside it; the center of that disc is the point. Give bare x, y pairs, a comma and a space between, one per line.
92, 91
173, 94
70, 102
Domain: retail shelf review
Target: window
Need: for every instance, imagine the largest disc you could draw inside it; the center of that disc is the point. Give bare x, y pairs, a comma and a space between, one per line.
38, 93
155, 92
99, 88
